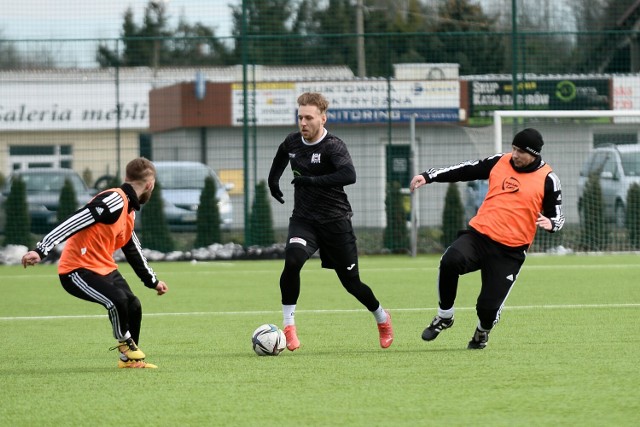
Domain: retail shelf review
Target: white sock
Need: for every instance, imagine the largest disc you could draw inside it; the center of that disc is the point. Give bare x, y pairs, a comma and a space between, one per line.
288, 314
445, 314
380, 315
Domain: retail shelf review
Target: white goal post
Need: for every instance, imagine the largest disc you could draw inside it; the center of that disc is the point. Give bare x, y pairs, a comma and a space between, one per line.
499, 114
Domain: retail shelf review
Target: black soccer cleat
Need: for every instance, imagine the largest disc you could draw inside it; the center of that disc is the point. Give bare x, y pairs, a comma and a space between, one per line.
438, 324
479, 340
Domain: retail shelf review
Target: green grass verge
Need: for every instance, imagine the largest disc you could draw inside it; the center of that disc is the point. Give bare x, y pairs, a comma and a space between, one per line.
564, 353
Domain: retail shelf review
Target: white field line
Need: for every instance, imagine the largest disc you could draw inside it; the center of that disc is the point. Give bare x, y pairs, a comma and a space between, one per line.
272, 312
363, 272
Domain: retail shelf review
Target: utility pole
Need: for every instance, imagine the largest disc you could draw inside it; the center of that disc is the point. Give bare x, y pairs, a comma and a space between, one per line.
362, 68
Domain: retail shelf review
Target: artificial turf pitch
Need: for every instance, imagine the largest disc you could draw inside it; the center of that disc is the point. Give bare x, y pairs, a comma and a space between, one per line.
566, 350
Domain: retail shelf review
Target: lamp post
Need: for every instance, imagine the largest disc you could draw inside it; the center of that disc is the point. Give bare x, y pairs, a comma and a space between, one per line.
362, 69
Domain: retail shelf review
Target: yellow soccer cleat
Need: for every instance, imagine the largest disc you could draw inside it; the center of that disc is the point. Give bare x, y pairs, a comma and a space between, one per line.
129, 349
135, 364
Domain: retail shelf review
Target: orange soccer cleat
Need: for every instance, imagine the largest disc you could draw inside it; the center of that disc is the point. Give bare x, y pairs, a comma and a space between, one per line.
386, 332
293, 343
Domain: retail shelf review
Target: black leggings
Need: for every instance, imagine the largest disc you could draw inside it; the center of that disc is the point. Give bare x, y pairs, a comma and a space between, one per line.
296, 257
499, 268
113, 293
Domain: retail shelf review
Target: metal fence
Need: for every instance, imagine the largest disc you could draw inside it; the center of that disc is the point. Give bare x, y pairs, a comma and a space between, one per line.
416, 103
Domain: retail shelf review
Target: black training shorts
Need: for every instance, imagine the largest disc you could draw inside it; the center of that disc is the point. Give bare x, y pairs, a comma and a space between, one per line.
336, 242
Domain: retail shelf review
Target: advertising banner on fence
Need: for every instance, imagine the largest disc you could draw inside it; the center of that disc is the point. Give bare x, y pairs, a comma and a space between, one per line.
626, 96
34, 106
268, 104
486, 96
378, 101
354, 101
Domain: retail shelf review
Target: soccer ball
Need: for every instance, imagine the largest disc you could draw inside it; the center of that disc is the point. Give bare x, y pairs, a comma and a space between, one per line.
268, 340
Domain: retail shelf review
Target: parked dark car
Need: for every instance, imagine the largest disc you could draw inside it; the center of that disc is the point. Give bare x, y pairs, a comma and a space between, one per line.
44, 186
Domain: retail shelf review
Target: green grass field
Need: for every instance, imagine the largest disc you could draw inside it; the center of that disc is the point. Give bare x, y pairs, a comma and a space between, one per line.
565, 353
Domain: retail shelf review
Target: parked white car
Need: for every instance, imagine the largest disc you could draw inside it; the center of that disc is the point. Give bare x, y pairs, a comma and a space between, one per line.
618, 167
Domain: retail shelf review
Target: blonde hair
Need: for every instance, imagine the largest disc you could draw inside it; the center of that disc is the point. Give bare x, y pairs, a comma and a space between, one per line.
140, 169
316, 99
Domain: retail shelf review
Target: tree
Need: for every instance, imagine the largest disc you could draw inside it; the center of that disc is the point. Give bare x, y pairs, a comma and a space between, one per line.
261, 221
155, 230
267, 36
405, 43
9, 55
67, 203
452, 215
482, 50
153, 43
208, 216
338, 18
196, 44
594, 231
38, 56
396, 235
632, 217
18, 226
606, 46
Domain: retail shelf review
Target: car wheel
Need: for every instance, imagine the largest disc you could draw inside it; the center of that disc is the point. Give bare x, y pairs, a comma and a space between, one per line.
620, 214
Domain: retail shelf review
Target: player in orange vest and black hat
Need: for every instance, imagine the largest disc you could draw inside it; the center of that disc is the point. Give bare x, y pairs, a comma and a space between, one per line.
524, 194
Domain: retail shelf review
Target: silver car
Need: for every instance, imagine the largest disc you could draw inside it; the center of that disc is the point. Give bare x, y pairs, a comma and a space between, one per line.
182, 183
617, 167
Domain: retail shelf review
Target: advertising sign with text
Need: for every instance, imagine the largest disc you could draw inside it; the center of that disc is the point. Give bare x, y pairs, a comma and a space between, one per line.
268, 104
380, 101
33, 106
486, 96
626, 96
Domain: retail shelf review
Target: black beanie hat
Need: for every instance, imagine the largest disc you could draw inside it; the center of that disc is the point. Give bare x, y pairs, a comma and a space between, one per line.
529, 140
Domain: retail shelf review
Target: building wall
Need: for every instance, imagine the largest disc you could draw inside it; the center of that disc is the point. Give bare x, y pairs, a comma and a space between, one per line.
93, 150
566, 148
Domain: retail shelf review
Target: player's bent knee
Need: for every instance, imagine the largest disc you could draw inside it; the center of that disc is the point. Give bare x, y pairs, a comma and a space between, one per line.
135, 305
295, 258
452, 259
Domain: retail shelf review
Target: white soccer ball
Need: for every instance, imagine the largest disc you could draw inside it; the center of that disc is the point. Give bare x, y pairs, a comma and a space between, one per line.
268, 340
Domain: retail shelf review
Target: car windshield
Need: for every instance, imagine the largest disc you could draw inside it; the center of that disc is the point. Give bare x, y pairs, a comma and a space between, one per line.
182, 177
51, 182
631, 163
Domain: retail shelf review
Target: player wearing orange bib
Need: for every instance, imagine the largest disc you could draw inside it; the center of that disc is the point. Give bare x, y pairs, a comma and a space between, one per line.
524, 194
87, 269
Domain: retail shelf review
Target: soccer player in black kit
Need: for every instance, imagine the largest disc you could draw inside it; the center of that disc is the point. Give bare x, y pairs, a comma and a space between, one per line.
321, 218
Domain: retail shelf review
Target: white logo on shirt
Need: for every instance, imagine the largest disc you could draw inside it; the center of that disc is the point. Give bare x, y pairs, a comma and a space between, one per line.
315, 158
83, 251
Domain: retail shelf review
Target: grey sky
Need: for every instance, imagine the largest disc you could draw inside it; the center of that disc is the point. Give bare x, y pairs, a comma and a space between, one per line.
85, 19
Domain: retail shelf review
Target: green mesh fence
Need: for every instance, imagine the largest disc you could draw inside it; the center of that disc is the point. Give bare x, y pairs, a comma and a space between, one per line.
411, 85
